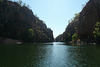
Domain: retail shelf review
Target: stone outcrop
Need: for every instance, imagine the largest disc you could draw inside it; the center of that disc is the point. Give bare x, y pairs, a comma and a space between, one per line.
16, 20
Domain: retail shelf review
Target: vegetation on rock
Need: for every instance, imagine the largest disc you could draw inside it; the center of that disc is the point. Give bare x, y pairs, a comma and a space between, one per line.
96, 32
74, 37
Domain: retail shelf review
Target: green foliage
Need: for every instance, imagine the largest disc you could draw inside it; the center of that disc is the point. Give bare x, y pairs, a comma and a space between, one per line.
75, 18
77, 14
20, 2
74, 36
75, 28
96, 32
1, 0
97, 24
30, 33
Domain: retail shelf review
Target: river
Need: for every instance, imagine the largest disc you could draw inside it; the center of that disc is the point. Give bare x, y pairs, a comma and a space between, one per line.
55, 54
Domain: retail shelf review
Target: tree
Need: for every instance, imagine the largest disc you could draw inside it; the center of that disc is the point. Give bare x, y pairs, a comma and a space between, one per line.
20, 2
30, 33
74, 37
75, 18
96, 32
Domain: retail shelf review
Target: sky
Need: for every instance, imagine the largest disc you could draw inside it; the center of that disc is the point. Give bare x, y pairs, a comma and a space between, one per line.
55, 13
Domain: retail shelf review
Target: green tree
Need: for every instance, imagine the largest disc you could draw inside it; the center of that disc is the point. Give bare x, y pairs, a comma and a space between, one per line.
96, 32
30, 33
76, 18
20, 2
74, 37
77, 14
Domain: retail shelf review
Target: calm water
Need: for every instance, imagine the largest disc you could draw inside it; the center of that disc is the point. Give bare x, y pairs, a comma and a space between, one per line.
55, 54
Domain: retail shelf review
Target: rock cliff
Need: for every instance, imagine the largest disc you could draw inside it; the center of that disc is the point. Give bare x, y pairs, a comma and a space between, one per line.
18, 22
85, 24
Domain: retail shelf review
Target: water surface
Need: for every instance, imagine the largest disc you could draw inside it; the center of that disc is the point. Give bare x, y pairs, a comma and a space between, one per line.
56, 54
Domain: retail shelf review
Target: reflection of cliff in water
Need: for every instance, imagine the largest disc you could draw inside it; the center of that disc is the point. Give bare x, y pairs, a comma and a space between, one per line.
43, 55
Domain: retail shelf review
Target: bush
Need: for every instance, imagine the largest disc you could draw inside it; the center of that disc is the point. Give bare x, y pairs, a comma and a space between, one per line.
30, 33
96, 32
74, 37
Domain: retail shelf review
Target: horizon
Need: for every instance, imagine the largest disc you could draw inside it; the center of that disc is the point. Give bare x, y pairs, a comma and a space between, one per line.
55, 13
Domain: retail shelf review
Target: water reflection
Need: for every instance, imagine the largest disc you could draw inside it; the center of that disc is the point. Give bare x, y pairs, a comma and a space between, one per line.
54, 43
59, 56
53, 54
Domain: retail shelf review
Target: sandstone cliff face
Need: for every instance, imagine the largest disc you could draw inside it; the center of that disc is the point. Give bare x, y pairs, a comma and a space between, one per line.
15, 20
88, 17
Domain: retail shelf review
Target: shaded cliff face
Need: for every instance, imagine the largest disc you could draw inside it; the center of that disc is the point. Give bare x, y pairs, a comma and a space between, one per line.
88, 17
16, 20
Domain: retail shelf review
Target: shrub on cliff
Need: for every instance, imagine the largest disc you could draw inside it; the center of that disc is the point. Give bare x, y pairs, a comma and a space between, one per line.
74, 37
96, 32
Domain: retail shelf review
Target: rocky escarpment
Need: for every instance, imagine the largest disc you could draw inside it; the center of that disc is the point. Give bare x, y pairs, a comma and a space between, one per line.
85, 25
88, 18
19, 23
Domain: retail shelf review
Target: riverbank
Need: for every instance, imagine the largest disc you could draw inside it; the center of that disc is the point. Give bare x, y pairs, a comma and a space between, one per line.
79, 42
9, 41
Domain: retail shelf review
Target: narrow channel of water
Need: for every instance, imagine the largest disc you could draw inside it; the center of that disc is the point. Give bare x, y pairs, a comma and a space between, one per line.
56, 54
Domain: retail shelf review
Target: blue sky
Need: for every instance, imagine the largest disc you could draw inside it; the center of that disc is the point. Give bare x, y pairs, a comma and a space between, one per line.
55, 13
